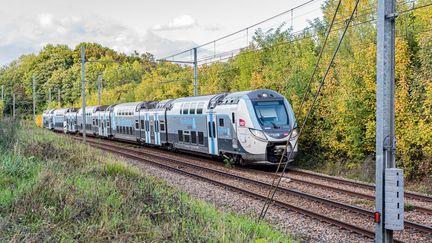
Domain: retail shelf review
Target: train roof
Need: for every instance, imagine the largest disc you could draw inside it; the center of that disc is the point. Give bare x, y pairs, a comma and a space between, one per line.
102, 108
89, 108
61, 110
130, 105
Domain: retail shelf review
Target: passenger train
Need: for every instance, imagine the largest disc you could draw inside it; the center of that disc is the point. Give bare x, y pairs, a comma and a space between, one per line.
249, 127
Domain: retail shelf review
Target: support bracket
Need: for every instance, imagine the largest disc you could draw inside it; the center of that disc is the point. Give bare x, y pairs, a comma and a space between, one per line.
392, 16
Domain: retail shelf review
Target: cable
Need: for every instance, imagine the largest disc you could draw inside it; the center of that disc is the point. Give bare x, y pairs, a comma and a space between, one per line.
273, 191
264, 210
244, 29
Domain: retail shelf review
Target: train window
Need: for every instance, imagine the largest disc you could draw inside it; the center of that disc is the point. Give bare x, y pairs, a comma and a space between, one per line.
192, 108
136, 124
162, 127
201, 138
200, 108
186, 138
214, 129
209, 130
233, 117
186, 108
130, 130
157, 126
193, 137
181, 109
152, 128
108, 123
221, 122
180, 135
142, 124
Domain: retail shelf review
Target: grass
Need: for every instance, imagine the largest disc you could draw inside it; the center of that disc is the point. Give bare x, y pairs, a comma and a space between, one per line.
55, 189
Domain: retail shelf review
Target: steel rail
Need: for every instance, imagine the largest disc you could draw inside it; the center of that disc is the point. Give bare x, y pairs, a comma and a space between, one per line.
354, 209
410, 195
181, 170
327, 187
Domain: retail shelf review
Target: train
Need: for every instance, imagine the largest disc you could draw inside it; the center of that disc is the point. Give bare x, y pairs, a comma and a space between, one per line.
248, 127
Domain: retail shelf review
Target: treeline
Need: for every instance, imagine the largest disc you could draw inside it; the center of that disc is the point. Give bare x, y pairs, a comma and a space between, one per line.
342, 126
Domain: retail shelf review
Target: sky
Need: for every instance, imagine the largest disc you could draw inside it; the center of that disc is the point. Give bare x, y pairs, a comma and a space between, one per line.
161, 27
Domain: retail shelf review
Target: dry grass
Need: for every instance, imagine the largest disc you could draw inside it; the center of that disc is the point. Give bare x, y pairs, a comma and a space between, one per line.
59, 190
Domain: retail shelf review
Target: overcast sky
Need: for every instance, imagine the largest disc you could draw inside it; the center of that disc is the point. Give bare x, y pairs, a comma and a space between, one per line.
161, 27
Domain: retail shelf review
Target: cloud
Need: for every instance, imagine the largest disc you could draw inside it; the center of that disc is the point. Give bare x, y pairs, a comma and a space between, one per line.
181, 22
45, 20
212, 27
23, 35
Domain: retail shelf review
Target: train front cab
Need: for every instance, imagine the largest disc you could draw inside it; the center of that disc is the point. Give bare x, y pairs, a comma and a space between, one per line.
265, 122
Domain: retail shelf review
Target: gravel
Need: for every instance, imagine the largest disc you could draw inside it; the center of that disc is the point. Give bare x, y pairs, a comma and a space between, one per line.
301, 227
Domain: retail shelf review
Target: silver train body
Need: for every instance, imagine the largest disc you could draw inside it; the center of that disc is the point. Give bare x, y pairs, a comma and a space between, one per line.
248, 127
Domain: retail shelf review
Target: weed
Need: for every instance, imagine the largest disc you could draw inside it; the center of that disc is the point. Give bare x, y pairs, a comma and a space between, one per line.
229, 163
409, 207
54, 189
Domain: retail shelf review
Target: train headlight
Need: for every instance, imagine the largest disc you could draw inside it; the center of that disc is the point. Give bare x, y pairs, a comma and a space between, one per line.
258, 134
294, 134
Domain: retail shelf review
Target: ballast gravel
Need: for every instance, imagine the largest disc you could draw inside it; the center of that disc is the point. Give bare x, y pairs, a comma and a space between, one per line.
303, 228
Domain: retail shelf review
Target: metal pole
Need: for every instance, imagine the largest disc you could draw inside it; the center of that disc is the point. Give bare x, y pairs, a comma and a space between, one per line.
99, 88
83, 93
49, 97
34, 98
247, 37
292, 19
195, 72
385, 92
13, 104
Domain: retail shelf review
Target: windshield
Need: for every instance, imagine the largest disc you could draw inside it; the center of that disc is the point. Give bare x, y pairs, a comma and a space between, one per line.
271, 113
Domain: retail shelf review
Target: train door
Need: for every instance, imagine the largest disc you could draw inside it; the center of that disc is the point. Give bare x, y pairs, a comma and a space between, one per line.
141, 126
109, 118
157, 132
225, 132
162, 128
212, 133
152, 129
147, 127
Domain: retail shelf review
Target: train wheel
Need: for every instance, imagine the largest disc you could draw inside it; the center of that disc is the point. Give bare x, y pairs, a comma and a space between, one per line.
240, 161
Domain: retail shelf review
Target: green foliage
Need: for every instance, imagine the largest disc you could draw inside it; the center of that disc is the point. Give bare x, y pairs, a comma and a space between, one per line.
229, 163
1, 108
55, 189
341, 128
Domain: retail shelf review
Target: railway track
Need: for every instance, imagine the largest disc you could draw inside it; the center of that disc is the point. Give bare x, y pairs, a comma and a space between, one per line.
306, 174
408, 195
183, 167
354, 193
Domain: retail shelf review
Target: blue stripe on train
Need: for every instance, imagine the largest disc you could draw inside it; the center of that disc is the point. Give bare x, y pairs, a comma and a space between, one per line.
212, 143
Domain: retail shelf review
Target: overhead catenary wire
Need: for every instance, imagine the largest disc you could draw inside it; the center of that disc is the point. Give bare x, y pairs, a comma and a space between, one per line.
264, 209
242, 30
299, 33
267, 205
228, 54
306, 92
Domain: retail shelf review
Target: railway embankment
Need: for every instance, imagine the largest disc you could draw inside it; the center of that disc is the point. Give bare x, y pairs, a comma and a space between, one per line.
55, 189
